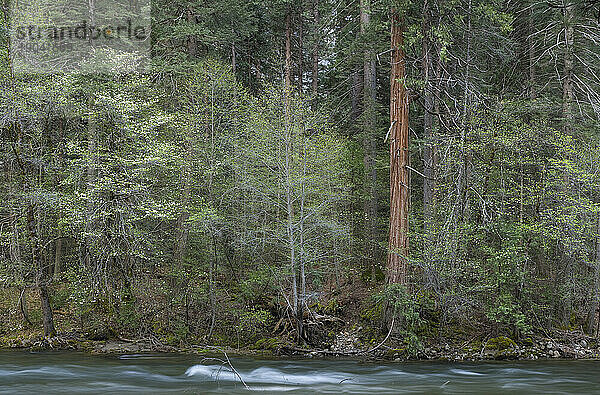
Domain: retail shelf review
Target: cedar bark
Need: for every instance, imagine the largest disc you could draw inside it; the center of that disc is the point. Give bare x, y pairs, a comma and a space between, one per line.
397, 263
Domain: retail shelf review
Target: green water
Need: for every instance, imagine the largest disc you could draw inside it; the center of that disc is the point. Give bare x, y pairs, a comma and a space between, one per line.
73, 373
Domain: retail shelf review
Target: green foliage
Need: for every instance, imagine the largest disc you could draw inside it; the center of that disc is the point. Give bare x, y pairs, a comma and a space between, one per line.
404, 309
253, 323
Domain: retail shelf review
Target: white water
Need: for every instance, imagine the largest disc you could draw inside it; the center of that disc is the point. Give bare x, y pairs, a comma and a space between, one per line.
72, 373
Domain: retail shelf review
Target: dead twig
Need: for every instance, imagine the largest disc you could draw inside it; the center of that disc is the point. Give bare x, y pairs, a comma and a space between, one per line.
384, 340
229, 364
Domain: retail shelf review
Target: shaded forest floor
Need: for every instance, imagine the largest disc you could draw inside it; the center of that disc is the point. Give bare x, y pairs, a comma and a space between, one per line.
346, 325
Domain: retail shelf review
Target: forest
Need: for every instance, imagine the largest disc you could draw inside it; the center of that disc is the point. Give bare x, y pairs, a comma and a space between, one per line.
309, 175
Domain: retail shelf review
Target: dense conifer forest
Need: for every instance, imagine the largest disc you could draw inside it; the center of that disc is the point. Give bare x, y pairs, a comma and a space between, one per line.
309, 175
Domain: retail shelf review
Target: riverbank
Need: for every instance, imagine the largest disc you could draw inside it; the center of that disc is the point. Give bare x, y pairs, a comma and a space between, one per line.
570, 345
349, 328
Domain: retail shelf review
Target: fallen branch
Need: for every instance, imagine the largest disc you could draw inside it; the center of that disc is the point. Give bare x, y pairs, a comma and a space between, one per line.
229, 364
384, 340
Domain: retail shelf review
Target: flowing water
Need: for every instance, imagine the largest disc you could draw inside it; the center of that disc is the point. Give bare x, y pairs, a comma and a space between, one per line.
73, 373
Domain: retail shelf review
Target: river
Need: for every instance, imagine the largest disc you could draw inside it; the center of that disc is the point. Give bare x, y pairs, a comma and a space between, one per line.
75, 373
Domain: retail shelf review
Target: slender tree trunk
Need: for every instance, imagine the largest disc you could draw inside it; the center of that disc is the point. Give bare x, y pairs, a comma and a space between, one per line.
47, 316
531, 55
91, 173
397, 262
288, 55
192, 45
358, 221
211, 198
233, 59
290, 218
593, 312
23, 307
567, 113
36, 251
568, 69
182, 230
369, 140
300, 64
57, 257
429, 101
211, 286
355, 92
302, 257
463, 175
289, 182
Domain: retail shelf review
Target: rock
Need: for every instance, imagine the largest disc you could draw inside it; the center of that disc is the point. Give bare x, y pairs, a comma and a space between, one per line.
501, 343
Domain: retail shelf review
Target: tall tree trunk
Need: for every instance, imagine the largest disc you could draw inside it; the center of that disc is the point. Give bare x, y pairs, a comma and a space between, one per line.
211, 198
288, 164
91, 171
302, 255
429, 102
567, 114
288, 55
397, 261
300, 64
464, 168
358, 222
291, 234
568, 97
531, 54
369, 140
181, 227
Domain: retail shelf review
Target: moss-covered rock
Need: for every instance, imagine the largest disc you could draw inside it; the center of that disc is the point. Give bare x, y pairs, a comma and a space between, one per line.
501, 343
267, 344
528, 342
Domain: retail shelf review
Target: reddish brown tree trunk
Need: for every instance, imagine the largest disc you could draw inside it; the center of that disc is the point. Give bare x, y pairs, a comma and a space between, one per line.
397, 263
